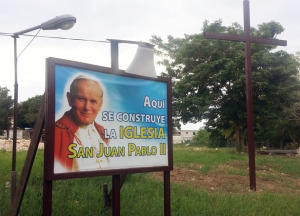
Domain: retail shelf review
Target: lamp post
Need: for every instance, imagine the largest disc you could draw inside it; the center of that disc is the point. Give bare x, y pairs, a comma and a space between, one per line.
64, 22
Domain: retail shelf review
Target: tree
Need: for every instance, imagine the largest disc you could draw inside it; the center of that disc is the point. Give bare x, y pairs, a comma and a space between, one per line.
295, 108
6, 112
281, 130
28, 111
209, 78
202, 137
216, 138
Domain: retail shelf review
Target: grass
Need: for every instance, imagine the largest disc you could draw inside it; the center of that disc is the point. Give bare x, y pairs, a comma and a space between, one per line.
282, 164
143, 195
208, 158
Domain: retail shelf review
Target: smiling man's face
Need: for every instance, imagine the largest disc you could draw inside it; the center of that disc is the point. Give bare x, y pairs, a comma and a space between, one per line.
85, 98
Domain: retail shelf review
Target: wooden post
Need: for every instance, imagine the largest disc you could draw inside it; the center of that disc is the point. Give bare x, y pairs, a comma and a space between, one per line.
47, 197
37, 132
122, 180
116, 195
249, 98
167, 193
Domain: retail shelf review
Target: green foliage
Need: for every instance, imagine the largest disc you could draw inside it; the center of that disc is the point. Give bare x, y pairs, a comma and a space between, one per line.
209, 78
28, 111
6, 110
216, 138
282, 129
202, 137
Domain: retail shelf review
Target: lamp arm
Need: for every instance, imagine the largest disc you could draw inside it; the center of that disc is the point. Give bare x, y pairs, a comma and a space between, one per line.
27, 30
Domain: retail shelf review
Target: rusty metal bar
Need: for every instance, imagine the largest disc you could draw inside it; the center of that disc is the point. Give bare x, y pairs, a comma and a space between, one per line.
249, 97
242, 38
268, 41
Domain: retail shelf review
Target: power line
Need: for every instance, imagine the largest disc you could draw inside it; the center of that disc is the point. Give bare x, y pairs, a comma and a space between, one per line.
62, 38
78, 39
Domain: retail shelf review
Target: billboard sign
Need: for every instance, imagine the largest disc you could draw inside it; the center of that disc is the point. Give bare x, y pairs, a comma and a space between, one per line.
102, 123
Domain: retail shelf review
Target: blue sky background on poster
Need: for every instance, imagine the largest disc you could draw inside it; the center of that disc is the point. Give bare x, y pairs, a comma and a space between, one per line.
121, 94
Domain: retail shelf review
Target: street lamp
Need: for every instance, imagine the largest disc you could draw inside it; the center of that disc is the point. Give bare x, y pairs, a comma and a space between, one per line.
64, 22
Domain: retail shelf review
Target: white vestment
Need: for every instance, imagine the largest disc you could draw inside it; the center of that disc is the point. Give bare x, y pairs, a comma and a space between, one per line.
89, 138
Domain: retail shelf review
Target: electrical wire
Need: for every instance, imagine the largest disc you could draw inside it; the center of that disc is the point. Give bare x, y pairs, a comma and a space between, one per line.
29, 42
78, 39
62, 38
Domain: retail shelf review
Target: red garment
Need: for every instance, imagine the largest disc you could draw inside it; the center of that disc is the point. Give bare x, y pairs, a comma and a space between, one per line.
64, 134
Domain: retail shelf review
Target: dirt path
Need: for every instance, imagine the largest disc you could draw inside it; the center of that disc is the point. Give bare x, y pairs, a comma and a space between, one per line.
220, 180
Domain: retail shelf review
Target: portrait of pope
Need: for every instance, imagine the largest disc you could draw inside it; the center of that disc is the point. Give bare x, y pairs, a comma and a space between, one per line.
78, 126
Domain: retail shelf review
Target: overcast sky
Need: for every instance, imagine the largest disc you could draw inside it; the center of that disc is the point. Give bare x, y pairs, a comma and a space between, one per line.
119, 19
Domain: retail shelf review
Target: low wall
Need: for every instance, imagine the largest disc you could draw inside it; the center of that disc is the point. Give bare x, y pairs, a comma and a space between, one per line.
176, 139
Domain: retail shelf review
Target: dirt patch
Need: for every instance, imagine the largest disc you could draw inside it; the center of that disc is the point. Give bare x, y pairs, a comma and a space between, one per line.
22, 145
220, 181
238, 164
